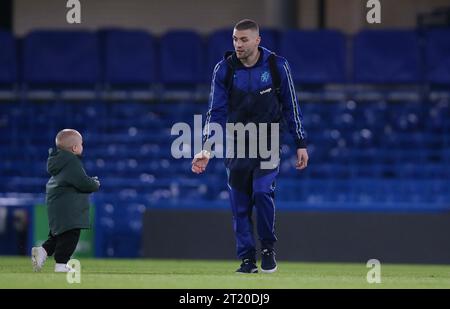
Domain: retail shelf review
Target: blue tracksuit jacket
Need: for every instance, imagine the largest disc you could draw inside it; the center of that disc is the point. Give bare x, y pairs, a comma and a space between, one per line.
251, 100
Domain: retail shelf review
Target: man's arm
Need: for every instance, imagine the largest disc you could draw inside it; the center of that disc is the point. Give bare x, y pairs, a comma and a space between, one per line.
292, 114
218, 100
217, 113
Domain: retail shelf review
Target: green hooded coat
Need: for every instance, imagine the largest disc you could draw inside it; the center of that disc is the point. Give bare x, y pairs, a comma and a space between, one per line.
67, 192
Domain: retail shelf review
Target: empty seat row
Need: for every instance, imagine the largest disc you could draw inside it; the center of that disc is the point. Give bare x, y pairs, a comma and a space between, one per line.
355, 164
133, 57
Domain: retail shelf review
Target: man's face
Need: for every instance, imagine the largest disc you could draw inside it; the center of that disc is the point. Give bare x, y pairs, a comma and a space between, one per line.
245, 42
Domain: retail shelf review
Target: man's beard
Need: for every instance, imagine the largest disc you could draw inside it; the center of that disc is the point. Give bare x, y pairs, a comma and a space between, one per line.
243, 55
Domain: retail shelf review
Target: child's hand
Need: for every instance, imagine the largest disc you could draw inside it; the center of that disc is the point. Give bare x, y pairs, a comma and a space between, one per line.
96, 180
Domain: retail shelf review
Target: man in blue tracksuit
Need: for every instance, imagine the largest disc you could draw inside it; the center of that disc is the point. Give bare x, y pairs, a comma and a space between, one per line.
252, 85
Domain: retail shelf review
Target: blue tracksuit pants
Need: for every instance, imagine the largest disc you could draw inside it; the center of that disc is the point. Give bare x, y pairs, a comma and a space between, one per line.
250, 186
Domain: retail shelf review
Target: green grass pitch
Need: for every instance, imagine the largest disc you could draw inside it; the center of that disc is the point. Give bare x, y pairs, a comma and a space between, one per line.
16, 272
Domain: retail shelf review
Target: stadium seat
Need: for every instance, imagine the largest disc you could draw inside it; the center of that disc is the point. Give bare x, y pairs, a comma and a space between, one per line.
437, 56
61, 58
386, 56
270, 39
315, 57
218, 43
8, 59
129, 57
181, 58
362, 152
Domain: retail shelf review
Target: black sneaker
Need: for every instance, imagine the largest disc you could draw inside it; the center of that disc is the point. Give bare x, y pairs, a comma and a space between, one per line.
248, 266
268, 262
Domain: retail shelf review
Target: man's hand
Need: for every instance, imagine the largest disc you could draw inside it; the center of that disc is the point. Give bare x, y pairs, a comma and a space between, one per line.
302, 159
200, 161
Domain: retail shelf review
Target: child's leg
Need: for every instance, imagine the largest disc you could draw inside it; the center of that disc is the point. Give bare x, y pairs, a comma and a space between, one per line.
65, 245
50, 244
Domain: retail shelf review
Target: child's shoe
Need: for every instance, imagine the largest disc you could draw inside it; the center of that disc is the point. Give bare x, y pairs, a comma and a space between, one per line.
38, 257
63, 268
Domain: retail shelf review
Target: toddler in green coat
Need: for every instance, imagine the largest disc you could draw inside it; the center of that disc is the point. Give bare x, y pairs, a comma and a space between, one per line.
67, 200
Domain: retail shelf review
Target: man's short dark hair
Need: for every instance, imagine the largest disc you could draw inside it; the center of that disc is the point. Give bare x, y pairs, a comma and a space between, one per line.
246, 24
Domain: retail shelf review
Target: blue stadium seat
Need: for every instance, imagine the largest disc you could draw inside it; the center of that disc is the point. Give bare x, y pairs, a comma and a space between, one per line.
218, 43
181, 58
61, 57
8, 60
130, 57
270, 39
369, 155
437, 55
386, 56
315, 57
